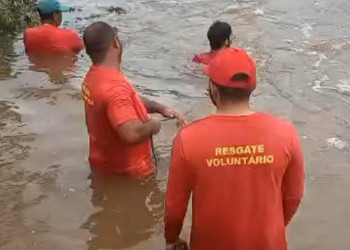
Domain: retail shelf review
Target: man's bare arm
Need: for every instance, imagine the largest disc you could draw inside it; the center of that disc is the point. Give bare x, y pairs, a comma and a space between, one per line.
135, 131
155, 107
152, 106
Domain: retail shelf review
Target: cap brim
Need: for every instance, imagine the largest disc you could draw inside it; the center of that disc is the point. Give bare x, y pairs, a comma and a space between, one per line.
64, 8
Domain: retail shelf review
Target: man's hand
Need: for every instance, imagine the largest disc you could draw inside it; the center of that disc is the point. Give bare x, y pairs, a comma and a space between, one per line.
173, 114
179, 245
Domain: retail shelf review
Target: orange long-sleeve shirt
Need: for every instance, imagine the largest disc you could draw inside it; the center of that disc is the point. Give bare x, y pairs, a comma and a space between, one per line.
246, 175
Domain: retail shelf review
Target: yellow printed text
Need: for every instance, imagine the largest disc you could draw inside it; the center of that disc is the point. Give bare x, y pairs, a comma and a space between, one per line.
231, 161
240, 156
86, 94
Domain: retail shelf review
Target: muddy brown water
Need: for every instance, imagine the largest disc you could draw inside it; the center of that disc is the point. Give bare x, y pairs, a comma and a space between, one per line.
50, 200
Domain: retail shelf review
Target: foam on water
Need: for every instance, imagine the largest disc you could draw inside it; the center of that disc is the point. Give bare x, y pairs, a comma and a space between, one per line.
259, 12
248, 8
317, 85
322, 58
337, 143
343, 86
233, 8
306, 30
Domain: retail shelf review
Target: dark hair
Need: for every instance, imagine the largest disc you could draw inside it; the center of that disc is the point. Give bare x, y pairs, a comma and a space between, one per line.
46, 17
218, 33
228, 94
97, 39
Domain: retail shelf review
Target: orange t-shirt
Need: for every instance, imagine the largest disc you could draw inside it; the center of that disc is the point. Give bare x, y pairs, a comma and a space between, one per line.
110, 100
49, 39
246, 175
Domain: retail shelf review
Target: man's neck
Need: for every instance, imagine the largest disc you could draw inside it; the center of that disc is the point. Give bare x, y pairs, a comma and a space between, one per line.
110, 64
218, 50
49, 23
236, 109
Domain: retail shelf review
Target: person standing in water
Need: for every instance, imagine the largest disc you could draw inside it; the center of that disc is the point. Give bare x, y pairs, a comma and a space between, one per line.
48, 38
220, 37
118, 121
245, 169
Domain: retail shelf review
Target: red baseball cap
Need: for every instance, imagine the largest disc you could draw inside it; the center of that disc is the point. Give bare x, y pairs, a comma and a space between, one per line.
230, 62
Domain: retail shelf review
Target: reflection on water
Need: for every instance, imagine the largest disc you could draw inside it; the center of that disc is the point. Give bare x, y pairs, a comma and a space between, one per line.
57, 67
7, 55
128, 211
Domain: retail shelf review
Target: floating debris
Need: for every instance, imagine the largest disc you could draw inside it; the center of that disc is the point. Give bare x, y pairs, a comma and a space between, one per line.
117, 10
54, 166
93, 16
74, 9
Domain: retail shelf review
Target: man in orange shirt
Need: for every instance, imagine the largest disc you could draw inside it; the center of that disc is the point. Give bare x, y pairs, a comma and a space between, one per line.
220, 37
119, 126
47, 38
244, 169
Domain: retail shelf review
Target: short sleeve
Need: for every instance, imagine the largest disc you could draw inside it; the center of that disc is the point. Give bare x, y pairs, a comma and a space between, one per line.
75, 42
121, 105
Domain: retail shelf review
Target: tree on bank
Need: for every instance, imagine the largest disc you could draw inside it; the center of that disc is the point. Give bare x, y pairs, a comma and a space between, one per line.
14, 14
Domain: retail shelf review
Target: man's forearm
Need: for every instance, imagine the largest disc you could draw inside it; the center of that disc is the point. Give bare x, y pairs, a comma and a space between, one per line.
135, 132
152, 106
146, 131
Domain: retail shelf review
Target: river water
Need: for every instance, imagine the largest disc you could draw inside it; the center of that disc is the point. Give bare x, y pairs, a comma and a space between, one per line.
49, 200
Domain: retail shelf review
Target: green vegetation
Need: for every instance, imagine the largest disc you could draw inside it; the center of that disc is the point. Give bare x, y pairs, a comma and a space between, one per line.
14, 14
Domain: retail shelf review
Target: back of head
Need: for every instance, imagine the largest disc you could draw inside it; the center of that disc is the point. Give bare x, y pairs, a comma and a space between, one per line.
233, 73
97, 39
50, 11
218, 34
46, 17
234, 94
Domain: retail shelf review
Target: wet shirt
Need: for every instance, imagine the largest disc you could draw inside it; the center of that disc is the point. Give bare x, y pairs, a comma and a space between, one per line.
110, 100
49, 39
246, 175
204, 58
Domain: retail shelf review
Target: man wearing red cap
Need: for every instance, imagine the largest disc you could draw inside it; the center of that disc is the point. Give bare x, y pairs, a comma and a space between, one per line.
245, 169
